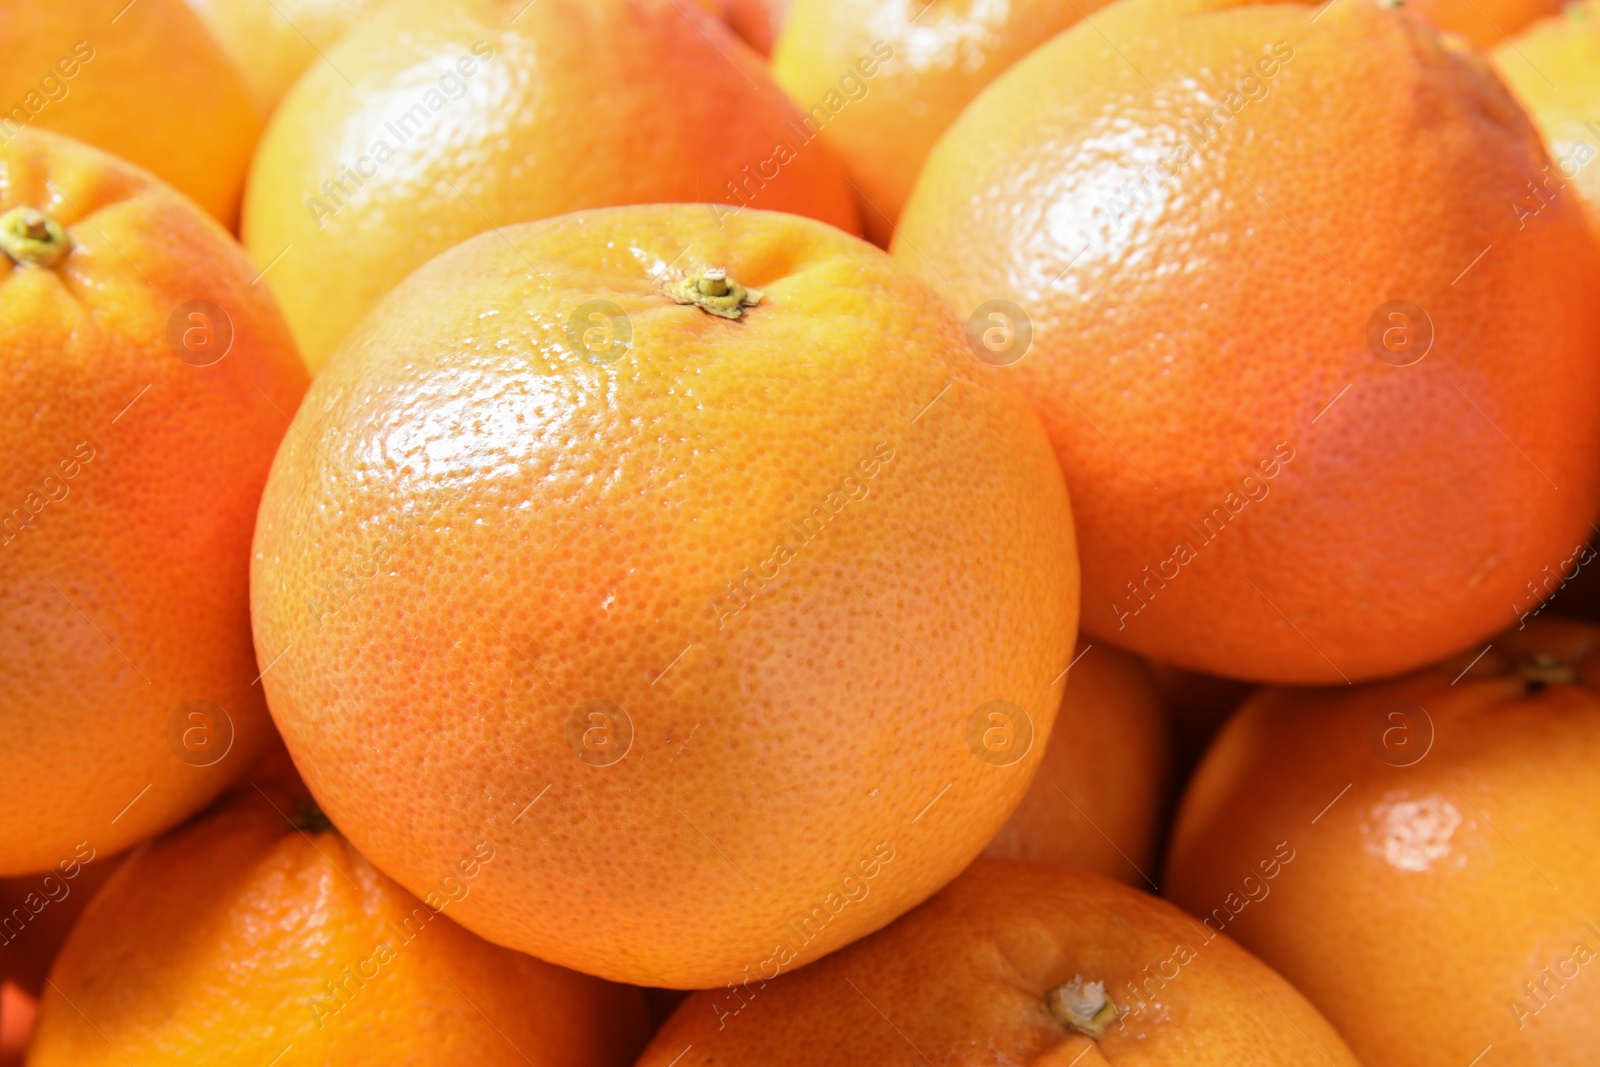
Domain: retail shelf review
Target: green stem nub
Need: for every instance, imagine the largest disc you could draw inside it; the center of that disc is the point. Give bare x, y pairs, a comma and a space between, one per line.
712, 291
33, 239
308, 817
1543, 670
1083, 1006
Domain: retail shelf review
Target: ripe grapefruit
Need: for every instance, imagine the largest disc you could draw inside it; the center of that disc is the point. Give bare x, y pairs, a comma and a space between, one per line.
258, 935
1015, 963
431, 123
1554, 68
1486, 23
744, 634
880, 80
271, 42
1101, 790
144, 81
1438, 902
1279, 327
147, 383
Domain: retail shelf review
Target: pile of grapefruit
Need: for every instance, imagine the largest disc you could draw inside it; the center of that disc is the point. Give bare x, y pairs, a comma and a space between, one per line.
853, 532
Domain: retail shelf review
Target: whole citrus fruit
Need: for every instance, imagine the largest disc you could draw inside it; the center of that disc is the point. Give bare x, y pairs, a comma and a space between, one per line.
1554, 68
431, 123
1277, 325
745, 634
1016, 963
272, 41
1438, 902
1486, 23
1101, 790
879, 80
144, 81
258, 935
147, 383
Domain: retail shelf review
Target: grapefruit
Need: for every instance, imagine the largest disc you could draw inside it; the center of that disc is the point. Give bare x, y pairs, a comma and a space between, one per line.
258, 935
880, 80
1279, 327
271, 42
1100, 794
703, 565
1015, 963
431, 123
144, 81
1554, 69
1432, 821
147, 383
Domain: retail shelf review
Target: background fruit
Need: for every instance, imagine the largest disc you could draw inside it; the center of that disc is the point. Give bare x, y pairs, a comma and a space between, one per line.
575, 104
130, 487
37, 912
144, 81
1435, 885
1099, 795
18, 1009
1261, 491
1554, 69
915, 66
1197, 705
964, 979
757, 22
257, 933
272, 41
1486, 23
729, 604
